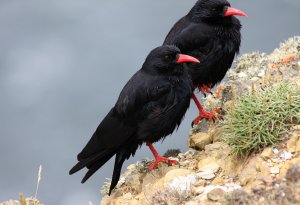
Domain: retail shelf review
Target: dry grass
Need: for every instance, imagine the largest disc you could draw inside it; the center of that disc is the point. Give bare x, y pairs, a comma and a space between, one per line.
27, 200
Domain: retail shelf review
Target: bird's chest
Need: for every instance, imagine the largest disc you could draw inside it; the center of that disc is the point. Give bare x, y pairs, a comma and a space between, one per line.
180, 90
229, 39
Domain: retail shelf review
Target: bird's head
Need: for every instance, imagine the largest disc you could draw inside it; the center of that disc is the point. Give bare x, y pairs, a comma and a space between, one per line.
214, 10
167, 58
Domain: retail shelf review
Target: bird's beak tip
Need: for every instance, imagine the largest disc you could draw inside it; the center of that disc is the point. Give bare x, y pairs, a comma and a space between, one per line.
234, 12
182, 58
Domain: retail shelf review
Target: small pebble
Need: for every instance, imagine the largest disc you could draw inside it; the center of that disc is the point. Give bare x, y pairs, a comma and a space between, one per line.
275, 151
242, 75
286, 155
208, 174
261, 73
274, 170
275, 160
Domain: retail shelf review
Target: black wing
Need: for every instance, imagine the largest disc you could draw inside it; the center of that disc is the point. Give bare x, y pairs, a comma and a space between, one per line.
139, 91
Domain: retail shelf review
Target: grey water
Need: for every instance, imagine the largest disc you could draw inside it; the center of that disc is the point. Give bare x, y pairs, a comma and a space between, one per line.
62, 66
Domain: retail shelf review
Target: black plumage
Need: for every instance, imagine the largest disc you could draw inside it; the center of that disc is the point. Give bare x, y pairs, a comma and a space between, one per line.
150, 107
211, 33
206, 33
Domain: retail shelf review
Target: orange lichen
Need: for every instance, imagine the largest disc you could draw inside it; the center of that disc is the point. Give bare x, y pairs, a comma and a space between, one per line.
218, 92
272, 66
288, 58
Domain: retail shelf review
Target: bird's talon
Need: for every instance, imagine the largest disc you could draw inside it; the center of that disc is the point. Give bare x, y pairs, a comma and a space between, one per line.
169, 163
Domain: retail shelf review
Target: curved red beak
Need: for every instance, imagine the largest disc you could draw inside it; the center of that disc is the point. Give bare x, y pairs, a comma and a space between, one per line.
186, 58
234, 12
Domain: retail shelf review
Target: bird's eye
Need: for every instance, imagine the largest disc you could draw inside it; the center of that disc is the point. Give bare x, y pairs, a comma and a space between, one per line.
167, 57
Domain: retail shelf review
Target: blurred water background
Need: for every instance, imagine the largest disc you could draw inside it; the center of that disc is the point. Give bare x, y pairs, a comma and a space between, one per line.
62, 66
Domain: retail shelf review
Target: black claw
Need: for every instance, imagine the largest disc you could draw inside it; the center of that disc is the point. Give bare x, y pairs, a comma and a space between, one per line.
211, 93
192, 124
204, 95
169, 163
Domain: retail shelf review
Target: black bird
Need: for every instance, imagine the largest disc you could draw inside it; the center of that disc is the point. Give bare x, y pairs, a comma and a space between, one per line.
211, 33
150, 107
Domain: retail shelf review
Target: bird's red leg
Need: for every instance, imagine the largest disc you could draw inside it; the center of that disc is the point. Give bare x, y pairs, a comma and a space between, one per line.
202, 113
158, 158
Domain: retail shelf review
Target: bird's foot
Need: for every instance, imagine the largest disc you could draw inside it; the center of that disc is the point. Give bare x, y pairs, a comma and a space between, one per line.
207, 115
159, 159
205, 89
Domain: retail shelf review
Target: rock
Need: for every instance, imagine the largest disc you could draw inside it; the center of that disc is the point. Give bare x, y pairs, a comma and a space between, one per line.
286, 155
134, 202
127, 196
171, 175
149, 189
200, 183
242, 75
248, 171
185, 163
287, 165
131, 181
218, 150
154, 181
292, 143
208, 174
267, 153
211, 166
245, 180
192, 203
261, 73
208, 164
216, 134
255, 79
276, 160
218, 181
274, 170
181, 185
198, 190
199, 140
181, 156
131, 167
179, 181
275, 151
216, 194
298, 146
293, 174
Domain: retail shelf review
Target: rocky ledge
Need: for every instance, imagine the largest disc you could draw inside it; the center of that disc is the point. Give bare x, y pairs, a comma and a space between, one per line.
214, 171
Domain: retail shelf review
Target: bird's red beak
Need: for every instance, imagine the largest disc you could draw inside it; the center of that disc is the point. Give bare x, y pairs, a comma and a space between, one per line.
186, 58
234, 12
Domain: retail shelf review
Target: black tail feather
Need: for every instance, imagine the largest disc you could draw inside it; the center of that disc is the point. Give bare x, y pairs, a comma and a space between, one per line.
90, 161
120, 158
96, 165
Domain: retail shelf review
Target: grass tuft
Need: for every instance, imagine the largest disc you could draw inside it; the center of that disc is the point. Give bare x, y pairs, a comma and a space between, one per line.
257, 119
